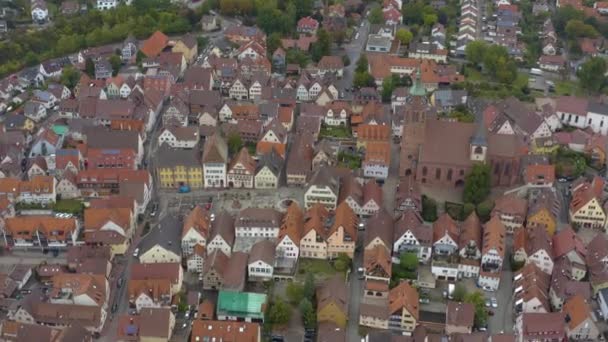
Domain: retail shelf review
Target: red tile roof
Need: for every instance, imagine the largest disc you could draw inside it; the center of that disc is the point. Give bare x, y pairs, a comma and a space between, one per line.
155, 44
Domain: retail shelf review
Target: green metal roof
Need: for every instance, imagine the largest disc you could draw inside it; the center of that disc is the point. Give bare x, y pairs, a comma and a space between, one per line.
60, 129
241, 304
417, 89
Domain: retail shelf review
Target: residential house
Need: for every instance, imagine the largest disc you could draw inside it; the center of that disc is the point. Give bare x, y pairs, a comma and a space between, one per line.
179, 137
313, 243
470, 242
209, 23
159, 271
179, 167
539, 175
597, 261
307, 25
128, 52
403, 308
34, 111
213, 270
241, 171
459, 318
531, 293
323, 188
492, 254
162, 245
195, 230
39, 11
103, 69
45, 143
268, 171
377, 160
332, 301
540, 327
331, 64
257, 223
112, 227
342, 236
290, 235
222, 234
261, 261
225, 330
565, 284
67, 187
412, 235
149, 324
150, 293
543, 211
567, 244
187, 45
299, 162
585, 207
581, 325
445, 235
534, 246
215, 160
40, 231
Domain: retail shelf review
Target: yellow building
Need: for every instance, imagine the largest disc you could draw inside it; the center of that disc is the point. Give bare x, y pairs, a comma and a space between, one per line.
403, 302
188, 46
543, 212
177, 167
332, 301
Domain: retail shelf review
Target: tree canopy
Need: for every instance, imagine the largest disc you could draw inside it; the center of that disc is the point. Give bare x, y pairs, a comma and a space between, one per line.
279, 313
477, 184
591, 74
71, 34
495, 60
481, 314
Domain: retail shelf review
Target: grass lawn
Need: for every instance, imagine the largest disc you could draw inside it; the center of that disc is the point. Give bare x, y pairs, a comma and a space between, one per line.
567, 88
320, 268
336, 132
473, 74
350, 161
71, 206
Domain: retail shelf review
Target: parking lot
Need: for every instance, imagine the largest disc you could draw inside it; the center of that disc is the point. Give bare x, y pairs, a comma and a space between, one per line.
231, 200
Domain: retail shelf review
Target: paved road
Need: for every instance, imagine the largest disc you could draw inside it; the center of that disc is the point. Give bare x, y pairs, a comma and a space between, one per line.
502, 321
355, 286
353, 50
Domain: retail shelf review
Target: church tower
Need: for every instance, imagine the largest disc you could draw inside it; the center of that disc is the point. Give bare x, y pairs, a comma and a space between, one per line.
414, 127
479, 142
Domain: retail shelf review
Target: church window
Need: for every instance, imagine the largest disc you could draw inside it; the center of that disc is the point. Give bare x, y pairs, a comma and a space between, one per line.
449, 174
437, 173
424, 170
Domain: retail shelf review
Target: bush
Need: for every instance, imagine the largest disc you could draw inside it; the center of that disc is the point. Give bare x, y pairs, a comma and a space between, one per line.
484, 209
295, 292
342, 263
429, 209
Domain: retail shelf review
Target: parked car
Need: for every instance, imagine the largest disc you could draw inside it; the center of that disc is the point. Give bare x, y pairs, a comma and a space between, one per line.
494, 302
136, 252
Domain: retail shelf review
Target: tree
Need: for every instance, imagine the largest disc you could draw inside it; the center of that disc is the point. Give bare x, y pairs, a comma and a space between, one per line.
467, 209
477, 299
273, 42
338, 37
429, 19
70, 77
376, 16
322, 47
460, 292
387, 89
429, 209
404, 35
116, 63
484, 209
475, 51
303, 8
346, 60
577, 29
591, 74
477, 184
408, 261
309, 287
362, 64
279, 313
294, 292
363, 79
342, 263
89, 67
235, 143
309, 317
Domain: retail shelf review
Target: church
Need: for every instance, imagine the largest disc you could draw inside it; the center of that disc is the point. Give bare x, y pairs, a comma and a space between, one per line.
441, 152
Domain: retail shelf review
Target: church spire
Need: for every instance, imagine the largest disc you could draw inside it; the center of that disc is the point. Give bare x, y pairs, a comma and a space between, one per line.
417, 89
